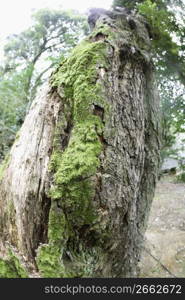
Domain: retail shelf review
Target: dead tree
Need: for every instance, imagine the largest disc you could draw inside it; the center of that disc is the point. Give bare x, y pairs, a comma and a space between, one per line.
77, 187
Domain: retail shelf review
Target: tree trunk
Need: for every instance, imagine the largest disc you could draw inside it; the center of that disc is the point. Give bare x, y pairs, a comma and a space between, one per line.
78, 185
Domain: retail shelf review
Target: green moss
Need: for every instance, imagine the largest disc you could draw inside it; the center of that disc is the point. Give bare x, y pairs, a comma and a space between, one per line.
57, 226
49, 261
11, 267
80, 159
78, 76
74, 168
181, 177
49, 255
103, 29
7, 270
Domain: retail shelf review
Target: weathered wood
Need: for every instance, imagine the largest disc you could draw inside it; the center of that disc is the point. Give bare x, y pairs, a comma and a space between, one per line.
88, 203
24, 206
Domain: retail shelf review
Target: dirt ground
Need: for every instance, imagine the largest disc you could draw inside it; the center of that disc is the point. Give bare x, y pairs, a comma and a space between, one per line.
164, 250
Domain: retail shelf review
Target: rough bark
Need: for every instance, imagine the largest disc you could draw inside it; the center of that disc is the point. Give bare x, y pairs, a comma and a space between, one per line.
78, 185
24, 206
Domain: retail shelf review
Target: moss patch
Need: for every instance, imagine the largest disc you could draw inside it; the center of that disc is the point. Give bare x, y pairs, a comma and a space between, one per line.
49, 261
11, 267
78, 78
74, 169
72, 233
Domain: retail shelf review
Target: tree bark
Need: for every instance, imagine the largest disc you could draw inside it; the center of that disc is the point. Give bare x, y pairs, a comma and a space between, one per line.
78, 185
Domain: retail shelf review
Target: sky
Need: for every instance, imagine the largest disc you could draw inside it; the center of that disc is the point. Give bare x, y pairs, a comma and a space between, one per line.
15, 14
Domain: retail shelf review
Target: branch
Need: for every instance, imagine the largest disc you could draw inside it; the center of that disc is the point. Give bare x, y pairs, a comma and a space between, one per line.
42, 73
53, 37
36, 84
43, 49
49, 47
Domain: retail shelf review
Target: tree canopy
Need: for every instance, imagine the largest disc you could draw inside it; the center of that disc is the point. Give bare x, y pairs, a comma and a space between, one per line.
28, 57
166, 21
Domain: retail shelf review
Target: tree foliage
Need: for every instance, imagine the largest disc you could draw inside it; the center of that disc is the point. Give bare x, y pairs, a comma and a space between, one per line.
168, 34
167, 26
28, 57
52, 35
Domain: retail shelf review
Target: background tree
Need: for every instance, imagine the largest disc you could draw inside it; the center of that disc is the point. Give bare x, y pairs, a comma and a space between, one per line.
167, 27
28, 57
13, 104
52, 35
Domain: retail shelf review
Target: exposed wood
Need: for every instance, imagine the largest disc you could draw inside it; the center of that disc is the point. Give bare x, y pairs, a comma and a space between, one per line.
103, 234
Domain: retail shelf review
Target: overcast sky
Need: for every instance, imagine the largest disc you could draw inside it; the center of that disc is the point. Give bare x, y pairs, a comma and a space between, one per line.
15, 14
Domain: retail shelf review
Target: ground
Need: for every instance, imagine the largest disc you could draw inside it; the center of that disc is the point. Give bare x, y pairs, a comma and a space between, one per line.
165, 236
